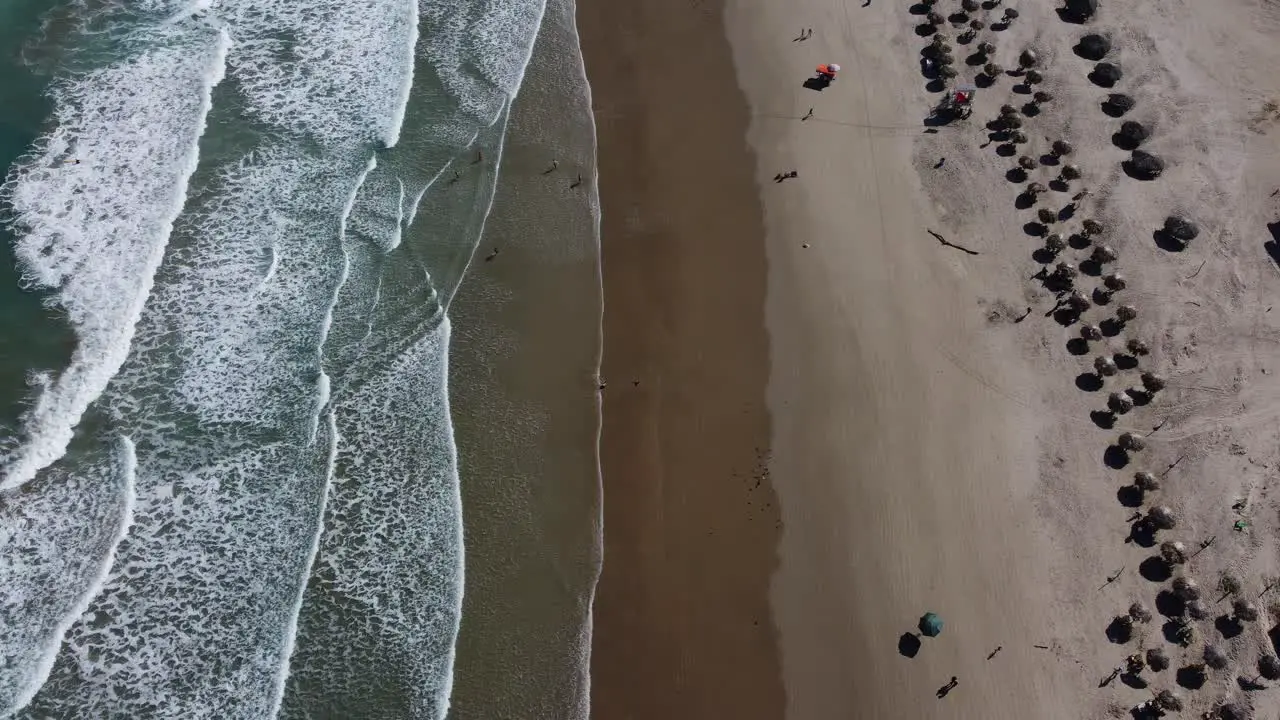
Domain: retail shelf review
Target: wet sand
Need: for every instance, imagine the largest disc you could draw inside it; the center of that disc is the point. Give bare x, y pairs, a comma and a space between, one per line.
682, 622
523, 361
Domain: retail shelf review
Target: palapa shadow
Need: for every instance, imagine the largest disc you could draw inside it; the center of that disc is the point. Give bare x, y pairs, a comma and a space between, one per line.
1154, 568
908, 645
1087, 381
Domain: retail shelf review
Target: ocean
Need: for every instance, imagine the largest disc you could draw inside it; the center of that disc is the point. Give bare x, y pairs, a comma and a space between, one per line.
230, 485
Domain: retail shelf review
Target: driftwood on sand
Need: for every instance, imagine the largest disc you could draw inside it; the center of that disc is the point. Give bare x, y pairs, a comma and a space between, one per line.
947, 243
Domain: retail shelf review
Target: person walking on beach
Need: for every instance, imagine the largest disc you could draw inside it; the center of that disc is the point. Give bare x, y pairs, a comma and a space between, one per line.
993, 652
807, 115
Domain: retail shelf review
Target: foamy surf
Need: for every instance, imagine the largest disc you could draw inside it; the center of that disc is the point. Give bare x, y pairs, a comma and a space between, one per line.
93, 207
44, 588
278, 354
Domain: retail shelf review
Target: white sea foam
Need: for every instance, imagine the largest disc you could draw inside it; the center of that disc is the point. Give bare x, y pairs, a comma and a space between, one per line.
286, 275
381, 615
480, 49
56, 548
95, 231
291, 628
336, 70
242, 331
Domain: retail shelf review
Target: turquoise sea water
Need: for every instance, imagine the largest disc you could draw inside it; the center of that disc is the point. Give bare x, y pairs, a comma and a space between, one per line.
228, 478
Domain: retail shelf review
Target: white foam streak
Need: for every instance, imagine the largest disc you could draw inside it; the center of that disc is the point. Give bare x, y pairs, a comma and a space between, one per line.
398, 235
97, 230
326, 324
392, 138
128, 465
291, 630
446, 332
498, 33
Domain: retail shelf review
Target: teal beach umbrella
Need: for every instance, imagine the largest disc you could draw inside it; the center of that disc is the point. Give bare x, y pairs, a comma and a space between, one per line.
931, 624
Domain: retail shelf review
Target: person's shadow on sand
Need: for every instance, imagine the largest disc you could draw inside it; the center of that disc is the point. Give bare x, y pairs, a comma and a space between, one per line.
908, 645
942, 691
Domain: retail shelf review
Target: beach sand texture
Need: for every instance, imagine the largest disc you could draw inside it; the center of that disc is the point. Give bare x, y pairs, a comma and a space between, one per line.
929, 443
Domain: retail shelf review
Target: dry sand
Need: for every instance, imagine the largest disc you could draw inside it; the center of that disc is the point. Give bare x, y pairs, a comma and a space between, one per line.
928, 451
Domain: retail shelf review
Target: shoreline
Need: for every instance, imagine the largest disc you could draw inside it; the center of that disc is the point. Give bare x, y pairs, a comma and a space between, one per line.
523, 358
682, 626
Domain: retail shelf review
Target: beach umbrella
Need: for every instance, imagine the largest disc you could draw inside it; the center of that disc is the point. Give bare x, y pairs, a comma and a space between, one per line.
1169, 700
1093, 47
1181, 228
1197, 610
1106, 74
1139, 612
1162, 517
1244, 610
1144, 166
1130, 135
1229, 584
1120, 402
931, 624
1234, 711
1174, 553
1214, 657
1082, 9
1105, 366
1103, 254
1157, 659
1118, 104
1186, 588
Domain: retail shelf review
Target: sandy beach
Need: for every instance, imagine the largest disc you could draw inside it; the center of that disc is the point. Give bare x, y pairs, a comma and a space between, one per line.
933, 435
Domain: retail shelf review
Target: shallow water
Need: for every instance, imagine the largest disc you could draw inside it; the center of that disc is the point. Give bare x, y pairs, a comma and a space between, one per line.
228, 476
